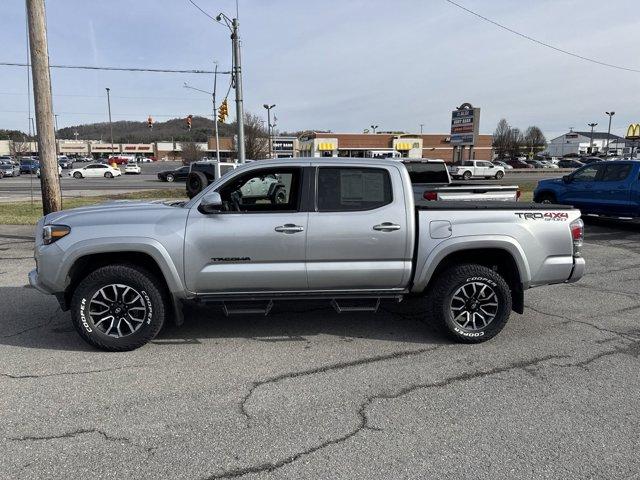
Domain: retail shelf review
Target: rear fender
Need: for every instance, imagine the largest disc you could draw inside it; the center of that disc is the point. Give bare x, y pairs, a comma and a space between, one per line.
425, 270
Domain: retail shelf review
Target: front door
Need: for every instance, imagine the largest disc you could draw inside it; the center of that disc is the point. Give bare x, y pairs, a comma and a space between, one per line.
359, 234
254, 244
579, 192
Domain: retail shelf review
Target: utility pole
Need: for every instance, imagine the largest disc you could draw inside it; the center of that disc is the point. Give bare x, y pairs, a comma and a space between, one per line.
421, 125
269, 107
611, 114
591, 142
49, 180
110, 124
237, 67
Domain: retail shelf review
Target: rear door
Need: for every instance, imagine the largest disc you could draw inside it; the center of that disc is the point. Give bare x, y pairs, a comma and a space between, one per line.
614, 190
359, 233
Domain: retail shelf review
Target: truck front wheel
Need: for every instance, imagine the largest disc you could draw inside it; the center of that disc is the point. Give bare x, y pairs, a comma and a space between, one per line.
470, 303
466, 175
118, 307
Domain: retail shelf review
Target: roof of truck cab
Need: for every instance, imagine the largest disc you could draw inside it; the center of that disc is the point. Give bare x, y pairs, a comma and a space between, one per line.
332, 160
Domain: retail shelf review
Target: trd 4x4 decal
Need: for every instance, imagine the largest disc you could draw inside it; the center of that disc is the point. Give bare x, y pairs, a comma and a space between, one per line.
547, 216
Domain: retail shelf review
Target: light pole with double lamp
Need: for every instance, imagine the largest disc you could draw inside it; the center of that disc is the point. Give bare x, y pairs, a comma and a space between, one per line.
593, 124
269, 107
611, 114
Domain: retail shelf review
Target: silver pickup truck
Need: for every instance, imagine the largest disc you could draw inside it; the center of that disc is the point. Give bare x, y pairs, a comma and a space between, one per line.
347, 230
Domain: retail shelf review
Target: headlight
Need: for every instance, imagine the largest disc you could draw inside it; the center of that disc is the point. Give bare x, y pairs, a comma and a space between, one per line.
51, 233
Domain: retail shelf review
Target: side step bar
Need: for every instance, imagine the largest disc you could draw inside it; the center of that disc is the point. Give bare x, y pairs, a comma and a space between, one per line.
340, 305
247, 308
346, 305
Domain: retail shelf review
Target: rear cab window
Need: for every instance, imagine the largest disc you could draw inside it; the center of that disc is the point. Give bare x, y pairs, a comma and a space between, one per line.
616, 173
423, 172
349, 189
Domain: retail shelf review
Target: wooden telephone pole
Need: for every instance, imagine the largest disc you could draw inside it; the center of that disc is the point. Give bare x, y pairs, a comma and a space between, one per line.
49, 179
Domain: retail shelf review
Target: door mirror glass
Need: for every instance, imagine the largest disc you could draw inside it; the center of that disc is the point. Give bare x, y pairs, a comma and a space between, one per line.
210, 203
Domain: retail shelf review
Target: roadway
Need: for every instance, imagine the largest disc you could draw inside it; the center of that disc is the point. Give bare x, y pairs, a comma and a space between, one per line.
12, 189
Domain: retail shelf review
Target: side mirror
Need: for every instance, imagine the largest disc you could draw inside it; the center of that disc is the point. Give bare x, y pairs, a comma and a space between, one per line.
210, 203
491, 166
566, 178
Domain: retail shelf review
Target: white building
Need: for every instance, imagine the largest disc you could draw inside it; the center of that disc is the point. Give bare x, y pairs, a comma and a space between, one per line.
584, 143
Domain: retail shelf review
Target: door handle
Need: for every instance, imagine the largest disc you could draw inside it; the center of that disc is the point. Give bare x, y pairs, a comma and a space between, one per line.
386, 227
289, 228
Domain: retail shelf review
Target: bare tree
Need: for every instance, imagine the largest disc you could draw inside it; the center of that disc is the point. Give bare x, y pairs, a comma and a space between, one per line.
191, 152
19, 149
516, 142
256, 137
535, 139
502, 138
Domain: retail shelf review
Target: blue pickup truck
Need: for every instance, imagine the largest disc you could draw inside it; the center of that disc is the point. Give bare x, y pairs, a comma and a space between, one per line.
608, 188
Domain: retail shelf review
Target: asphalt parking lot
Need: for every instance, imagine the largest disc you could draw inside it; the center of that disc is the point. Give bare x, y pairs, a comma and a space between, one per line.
306, 393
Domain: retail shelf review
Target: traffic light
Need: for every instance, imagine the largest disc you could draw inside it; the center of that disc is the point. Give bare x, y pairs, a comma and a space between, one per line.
150, 122
223, 112
188, 119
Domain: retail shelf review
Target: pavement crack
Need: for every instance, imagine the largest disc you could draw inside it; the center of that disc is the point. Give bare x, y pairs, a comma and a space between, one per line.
363, 424
324, 369
593, 325
60, 374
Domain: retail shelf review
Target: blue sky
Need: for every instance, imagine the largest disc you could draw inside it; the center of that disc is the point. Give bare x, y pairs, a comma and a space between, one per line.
337, 64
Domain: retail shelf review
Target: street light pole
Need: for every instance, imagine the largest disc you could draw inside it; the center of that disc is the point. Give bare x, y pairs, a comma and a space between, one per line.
110, 124
269, 107
421, 125
591, 142
611, 114
374, 127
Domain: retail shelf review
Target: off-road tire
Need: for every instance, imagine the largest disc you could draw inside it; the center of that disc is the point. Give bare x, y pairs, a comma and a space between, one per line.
466, 175
153, 298
445, 286
196, 182
499, 175
77, 175
546, 197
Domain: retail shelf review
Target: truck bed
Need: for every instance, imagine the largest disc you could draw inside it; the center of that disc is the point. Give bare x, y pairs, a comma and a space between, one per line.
490, 205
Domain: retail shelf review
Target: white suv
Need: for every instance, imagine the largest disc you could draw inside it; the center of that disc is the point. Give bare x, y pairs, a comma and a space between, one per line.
476, 168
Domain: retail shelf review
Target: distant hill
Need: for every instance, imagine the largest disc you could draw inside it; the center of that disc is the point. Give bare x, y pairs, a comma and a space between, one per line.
138, 132
15, 135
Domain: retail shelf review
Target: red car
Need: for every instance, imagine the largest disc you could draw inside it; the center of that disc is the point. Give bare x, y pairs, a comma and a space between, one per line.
118, 160
515, 163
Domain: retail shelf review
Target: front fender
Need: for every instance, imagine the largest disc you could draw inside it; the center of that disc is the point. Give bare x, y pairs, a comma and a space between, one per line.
425, 270
149, 246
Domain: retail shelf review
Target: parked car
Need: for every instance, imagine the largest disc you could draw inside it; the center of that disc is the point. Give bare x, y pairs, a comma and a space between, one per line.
570, 163
502, 164
548, 164
588, 160
95, 170
120, 159
431, 181
59, 171
132, 169
144, 160
203, 173
176, 175
356, 240
65, 162
602, 188
9, 169
535, 163
515, 163
29, 165
476, 168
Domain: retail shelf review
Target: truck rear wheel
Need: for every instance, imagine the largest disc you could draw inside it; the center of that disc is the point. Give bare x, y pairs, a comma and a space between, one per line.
470, 303
196, 182
118, 307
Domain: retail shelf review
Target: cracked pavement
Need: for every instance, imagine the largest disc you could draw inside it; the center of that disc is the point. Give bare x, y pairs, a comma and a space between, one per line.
307, 393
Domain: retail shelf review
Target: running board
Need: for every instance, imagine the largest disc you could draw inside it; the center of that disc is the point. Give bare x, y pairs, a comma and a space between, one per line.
346, 305
247, 308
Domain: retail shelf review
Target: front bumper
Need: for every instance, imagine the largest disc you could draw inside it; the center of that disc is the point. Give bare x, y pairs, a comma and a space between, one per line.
35, 282
579, 266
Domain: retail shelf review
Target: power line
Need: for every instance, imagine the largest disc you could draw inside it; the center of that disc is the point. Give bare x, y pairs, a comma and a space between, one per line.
117, 69
539, 42
18, 94
201, 10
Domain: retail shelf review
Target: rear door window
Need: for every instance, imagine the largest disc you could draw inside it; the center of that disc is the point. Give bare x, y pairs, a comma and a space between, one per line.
347, 189
616, 173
